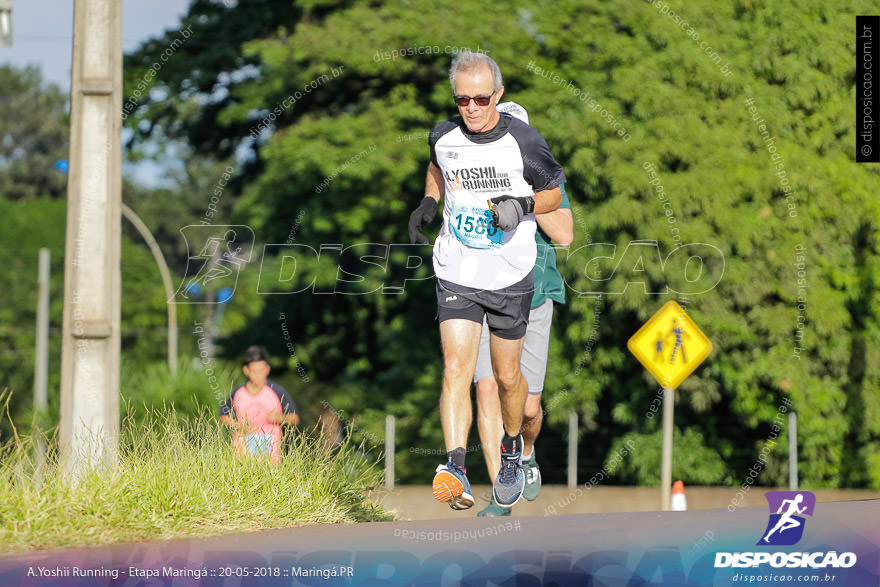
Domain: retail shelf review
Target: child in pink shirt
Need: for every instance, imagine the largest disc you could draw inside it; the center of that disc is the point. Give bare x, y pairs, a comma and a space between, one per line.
260, 407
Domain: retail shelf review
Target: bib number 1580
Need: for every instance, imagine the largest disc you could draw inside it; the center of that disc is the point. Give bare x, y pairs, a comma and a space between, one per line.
481, 226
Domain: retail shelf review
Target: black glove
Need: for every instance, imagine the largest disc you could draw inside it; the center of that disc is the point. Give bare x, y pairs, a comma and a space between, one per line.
508, 212
421, 216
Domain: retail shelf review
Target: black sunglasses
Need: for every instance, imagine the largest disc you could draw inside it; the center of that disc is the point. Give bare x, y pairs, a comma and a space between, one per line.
479, 100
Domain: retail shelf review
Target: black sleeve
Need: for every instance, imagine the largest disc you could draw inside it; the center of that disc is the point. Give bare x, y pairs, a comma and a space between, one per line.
438, 131
540, 168
226, 408
287, 405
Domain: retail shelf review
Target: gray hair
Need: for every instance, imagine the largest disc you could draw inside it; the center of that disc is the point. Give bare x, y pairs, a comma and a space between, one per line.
468, 60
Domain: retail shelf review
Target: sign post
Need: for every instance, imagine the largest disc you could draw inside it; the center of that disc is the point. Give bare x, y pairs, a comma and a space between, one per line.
670, 346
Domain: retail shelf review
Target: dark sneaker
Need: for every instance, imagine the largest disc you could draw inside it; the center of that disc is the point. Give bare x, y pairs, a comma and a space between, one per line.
493, 509
533, 479
511, 480
451, 486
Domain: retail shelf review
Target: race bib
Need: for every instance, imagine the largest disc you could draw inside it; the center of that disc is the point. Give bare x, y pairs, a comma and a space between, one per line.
259, 445
473, 226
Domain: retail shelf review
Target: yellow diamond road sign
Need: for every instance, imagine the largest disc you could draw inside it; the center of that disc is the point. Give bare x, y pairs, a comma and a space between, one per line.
670, 345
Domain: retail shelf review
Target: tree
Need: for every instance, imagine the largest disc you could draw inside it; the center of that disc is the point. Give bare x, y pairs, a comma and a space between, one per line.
332, 102
33, 135
33, 216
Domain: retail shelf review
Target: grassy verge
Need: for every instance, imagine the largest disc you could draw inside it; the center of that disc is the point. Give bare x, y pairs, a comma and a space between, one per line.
177, 479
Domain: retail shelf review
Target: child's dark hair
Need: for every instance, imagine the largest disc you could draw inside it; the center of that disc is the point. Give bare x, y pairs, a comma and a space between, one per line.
254, 353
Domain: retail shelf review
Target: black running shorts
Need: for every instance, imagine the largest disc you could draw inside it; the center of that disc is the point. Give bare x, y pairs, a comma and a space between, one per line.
506, 310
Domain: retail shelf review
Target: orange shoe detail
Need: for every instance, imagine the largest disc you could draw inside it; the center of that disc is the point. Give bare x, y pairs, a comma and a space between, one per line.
446, 486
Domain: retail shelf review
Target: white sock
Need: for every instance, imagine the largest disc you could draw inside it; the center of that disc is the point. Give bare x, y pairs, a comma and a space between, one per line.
528, 456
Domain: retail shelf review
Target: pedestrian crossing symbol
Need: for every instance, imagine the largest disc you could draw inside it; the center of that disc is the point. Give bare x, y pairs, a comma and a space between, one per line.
670, 345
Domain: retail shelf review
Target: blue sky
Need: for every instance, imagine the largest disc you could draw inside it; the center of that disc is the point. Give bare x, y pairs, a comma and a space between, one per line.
44, 32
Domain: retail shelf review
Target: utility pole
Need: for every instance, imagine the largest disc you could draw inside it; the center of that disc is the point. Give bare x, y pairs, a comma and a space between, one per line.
90, 329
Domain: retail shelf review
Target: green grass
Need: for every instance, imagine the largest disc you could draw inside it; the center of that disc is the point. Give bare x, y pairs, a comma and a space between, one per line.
178, 478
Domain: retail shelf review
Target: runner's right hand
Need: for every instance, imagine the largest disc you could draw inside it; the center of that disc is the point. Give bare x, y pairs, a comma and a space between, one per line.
421, 216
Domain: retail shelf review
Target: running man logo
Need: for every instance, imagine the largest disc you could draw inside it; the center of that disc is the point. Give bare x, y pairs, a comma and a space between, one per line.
786, 527
221, 252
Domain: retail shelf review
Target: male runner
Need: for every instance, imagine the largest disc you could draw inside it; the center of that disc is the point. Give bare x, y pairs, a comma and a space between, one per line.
496, 173
549, 288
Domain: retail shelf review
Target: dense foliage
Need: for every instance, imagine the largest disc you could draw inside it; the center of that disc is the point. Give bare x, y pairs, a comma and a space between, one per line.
723, 127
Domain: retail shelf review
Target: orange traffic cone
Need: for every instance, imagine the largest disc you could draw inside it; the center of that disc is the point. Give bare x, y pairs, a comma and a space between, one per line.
679, 501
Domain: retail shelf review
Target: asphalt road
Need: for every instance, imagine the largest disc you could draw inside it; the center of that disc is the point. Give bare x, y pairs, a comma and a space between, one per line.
615, 549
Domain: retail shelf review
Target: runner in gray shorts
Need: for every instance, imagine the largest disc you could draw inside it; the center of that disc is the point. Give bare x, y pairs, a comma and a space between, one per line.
556, 226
